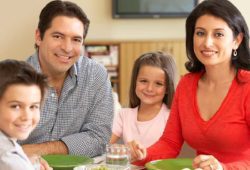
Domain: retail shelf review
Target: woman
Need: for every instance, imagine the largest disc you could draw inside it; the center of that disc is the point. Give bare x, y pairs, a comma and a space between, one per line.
211, 107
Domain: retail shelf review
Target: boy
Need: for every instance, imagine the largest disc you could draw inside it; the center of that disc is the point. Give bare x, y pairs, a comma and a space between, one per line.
21, 93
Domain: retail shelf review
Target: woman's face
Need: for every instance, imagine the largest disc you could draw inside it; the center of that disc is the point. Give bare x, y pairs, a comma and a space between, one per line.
214, 41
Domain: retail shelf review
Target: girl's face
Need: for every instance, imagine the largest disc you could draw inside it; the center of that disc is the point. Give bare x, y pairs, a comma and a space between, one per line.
214, 41
20, 110
151, 85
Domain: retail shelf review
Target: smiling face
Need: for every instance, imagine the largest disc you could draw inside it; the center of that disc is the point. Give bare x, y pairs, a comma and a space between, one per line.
61, 45
20, 110
213, 41
151, 85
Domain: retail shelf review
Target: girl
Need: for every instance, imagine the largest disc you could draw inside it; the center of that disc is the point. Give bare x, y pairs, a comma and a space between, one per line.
151, 92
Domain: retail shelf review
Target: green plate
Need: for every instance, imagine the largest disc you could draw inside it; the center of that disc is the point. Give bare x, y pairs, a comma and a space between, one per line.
66, 162
170, 164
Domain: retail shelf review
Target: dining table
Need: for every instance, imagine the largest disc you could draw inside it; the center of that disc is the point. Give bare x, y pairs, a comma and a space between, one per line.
100, 160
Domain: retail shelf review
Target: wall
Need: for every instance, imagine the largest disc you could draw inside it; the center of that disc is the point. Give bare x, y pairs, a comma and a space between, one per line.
19, 20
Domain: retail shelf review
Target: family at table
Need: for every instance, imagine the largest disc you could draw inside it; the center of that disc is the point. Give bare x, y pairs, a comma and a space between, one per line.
60, 102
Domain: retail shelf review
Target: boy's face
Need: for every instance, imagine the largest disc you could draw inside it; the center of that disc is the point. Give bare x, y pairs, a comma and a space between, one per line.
20, 110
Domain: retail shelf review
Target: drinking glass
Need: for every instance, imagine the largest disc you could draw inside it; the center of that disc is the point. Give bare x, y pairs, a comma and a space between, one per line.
117, 157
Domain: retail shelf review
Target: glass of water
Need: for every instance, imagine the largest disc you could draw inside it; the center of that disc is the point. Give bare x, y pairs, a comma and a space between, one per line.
117, 157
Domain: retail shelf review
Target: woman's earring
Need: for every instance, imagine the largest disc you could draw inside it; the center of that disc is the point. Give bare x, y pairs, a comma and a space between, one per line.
235, 53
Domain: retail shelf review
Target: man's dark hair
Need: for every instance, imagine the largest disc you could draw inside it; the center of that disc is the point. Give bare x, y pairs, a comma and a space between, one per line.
61, 8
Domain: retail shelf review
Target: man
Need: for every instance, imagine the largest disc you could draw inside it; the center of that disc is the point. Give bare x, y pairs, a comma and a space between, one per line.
77, 114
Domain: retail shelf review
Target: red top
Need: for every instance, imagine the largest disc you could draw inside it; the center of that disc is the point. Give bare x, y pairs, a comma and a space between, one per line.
226, 135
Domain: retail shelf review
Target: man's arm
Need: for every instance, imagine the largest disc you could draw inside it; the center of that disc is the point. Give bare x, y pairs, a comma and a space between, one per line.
97, 100
54, 147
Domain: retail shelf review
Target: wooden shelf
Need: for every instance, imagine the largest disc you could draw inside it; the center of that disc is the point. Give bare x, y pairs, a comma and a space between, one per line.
107, 54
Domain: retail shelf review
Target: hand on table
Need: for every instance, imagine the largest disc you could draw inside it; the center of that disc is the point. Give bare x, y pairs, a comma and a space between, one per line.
206, 162
138, 152
39, 163
44, 165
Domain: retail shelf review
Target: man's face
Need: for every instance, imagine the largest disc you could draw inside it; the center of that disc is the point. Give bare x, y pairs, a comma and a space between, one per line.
61, 45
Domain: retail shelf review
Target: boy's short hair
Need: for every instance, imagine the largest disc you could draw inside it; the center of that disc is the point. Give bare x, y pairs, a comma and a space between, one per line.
19, 72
